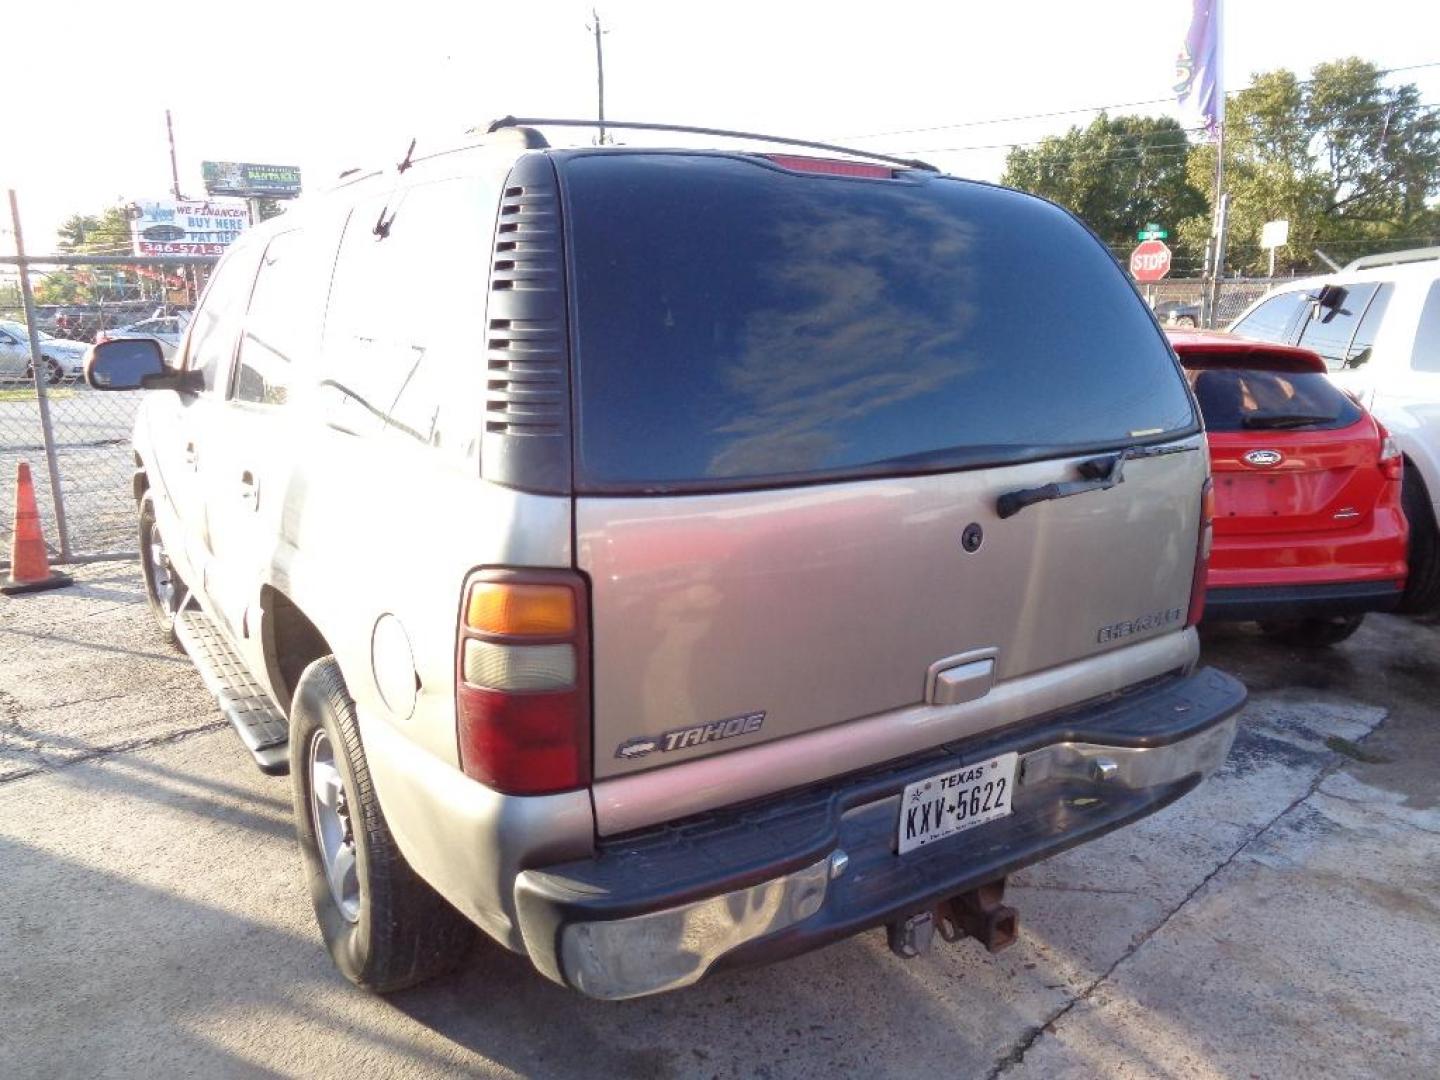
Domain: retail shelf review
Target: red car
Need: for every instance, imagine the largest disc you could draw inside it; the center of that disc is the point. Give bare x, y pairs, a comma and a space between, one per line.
1309, 533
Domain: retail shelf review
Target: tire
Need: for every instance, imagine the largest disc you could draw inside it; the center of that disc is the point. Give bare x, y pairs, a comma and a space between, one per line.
164, 589
384, 927
1316, 633
1185, 320
54, 373
1422, 581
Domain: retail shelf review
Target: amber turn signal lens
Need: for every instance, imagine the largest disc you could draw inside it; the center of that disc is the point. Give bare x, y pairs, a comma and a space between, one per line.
520, 610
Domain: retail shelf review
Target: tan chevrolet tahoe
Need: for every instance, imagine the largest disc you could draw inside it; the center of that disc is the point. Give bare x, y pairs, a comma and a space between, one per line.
672, 559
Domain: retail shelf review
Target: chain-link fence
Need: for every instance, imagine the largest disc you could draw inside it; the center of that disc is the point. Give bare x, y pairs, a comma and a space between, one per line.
82, 466
1181, 301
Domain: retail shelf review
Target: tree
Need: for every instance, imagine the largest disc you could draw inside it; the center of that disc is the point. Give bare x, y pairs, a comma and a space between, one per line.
1118, 174
1352, 164
106, 233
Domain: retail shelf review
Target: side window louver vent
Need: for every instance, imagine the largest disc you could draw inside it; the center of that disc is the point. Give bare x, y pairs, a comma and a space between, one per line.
527, 353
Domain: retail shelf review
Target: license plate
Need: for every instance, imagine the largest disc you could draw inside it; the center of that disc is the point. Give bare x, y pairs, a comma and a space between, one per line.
952, 802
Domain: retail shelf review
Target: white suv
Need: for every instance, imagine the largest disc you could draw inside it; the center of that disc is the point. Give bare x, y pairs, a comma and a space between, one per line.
1377, 324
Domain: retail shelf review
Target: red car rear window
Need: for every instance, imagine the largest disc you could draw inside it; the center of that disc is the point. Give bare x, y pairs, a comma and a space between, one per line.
1249, 399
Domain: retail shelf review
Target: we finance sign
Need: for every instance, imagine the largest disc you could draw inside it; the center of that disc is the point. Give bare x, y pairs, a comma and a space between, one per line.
186, 228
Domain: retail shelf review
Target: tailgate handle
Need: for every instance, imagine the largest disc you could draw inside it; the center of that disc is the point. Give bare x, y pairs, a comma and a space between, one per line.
962, 682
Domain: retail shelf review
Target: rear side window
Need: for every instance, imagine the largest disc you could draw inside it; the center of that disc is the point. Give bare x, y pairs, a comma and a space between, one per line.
1329, 331
1358, 354
1256, 399
404, 334
1274, 320
1427, 338
738, 324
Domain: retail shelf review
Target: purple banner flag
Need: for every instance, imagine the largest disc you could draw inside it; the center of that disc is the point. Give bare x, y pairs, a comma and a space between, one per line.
1200, 85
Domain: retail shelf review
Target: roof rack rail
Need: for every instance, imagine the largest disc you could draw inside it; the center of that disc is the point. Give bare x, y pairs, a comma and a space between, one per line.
724, 133
1394, 258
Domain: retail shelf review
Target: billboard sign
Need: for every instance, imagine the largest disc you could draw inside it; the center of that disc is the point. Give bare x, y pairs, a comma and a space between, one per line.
186, 228
251, 181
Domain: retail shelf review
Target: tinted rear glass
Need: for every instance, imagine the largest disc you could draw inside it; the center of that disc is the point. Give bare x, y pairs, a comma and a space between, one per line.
1246, 399
737, 323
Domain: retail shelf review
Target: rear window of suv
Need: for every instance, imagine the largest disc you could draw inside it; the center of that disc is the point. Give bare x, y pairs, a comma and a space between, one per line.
739, 324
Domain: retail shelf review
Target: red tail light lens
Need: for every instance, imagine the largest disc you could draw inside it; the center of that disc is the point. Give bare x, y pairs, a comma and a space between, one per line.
1392, 462
522, 681
1202, 553
831, 166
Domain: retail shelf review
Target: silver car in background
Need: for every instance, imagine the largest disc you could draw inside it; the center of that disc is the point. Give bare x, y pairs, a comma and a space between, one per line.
63, 359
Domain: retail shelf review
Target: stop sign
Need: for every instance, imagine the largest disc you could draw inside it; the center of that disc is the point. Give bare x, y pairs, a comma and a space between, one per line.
1150, 261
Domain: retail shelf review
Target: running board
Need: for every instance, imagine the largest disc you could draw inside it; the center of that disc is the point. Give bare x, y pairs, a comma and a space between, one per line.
261, 727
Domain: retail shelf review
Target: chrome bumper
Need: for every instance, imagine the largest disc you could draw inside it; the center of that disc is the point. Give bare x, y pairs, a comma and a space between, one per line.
674, 946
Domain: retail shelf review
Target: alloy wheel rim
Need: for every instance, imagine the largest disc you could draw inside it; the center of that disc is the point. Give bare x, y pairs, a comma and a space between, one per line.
160, 572
330, 810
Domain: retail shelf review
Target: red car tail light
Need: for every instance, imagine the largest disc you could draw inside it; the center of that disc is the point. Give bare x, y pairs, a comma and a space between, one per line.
831, 166
1202, 553
522, 681
1392, 462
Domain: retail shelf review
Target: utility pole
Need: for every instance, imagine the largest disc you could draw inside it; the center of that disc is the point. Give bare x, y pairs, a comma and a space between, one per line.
599, 70
174, 165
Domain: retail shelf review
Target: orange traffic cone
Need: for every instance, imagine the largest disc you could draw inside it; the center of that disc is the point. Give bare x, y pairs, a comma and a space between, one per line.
29, 563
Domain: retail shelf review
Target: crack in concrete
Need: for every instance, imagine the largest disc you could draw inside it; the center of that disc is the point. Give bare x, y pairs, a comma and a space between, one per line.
1017, 1052
109, 751
1083, 889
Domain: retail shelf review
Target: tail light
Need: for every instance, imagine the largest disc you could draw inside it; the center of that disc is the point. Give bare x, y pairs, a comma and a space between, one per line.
831, 166
1202, 553
1392, 462
522, 685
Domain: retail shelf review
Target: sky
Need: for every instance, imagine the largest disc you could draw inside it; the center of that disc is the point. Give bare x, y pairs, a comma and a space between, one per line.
328, 86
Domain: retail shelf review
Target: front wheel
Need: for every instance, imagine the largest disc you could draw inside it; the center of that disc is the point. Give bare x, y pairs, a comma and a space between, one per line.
385, 928
1186, 320
1316, 633
164, 591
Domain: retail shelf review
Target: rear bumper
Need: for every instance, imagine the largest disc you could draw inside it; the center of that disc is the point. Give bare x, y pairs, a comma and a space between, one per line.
656, 910
1266, 602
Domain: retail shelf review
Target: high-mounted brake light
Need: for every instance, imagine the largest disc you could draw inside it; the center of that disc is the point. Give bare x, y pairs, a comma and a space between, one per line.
522, 681
1392, 462
1202, 553
831, 166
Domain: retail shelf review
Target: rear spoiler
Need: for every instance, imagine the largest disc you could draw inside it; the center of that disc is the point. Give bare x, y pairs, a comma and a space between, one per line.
1224, 351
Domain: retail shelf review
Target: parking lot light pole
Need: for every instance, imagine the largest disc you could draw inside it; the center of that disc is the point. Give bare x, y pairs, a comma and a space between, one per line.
37, 365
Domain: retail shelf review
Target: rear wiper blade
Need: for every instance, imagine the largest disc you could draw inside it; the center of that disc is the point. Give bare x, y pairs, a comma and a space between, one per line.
1285, 420
1098, 474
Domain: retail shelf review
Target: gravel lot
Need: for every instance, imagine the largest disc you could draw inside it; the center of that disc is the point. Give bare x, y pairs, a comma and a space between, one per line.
1281, 921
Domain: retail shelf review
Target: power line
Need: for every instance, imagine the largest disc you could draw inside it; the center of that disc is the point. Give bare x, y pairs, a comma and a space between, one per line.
1093, 108
1317, 114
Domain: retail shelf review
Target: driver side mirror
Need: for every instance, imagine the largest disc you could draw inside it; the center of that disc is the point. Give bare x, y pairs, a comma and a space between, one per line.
136, 364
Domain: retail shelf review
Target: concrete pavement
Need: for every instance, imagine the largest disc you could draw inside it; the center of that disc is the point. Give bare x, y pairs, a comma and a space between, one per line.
1282, 920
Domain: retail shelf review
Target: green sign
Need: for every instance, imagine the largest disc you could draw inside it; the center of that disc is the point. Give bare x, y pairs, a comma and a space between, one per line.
1153, 232
249, 180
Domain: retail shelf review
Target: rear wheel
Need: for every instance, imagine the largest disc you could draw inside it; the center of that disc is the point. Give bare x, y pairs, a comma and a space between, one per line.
1316, 633
1422, 582
164, 591
384, 927
1185, 320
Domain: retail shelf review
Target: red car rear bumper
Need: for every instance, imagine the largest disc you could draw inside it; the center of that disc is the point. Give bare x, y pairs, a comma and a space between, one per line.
1277, 576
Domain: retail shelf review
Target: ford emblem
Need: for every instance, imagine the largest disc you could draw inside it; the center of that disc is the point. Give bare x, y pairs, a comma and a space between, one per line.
1264, 459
